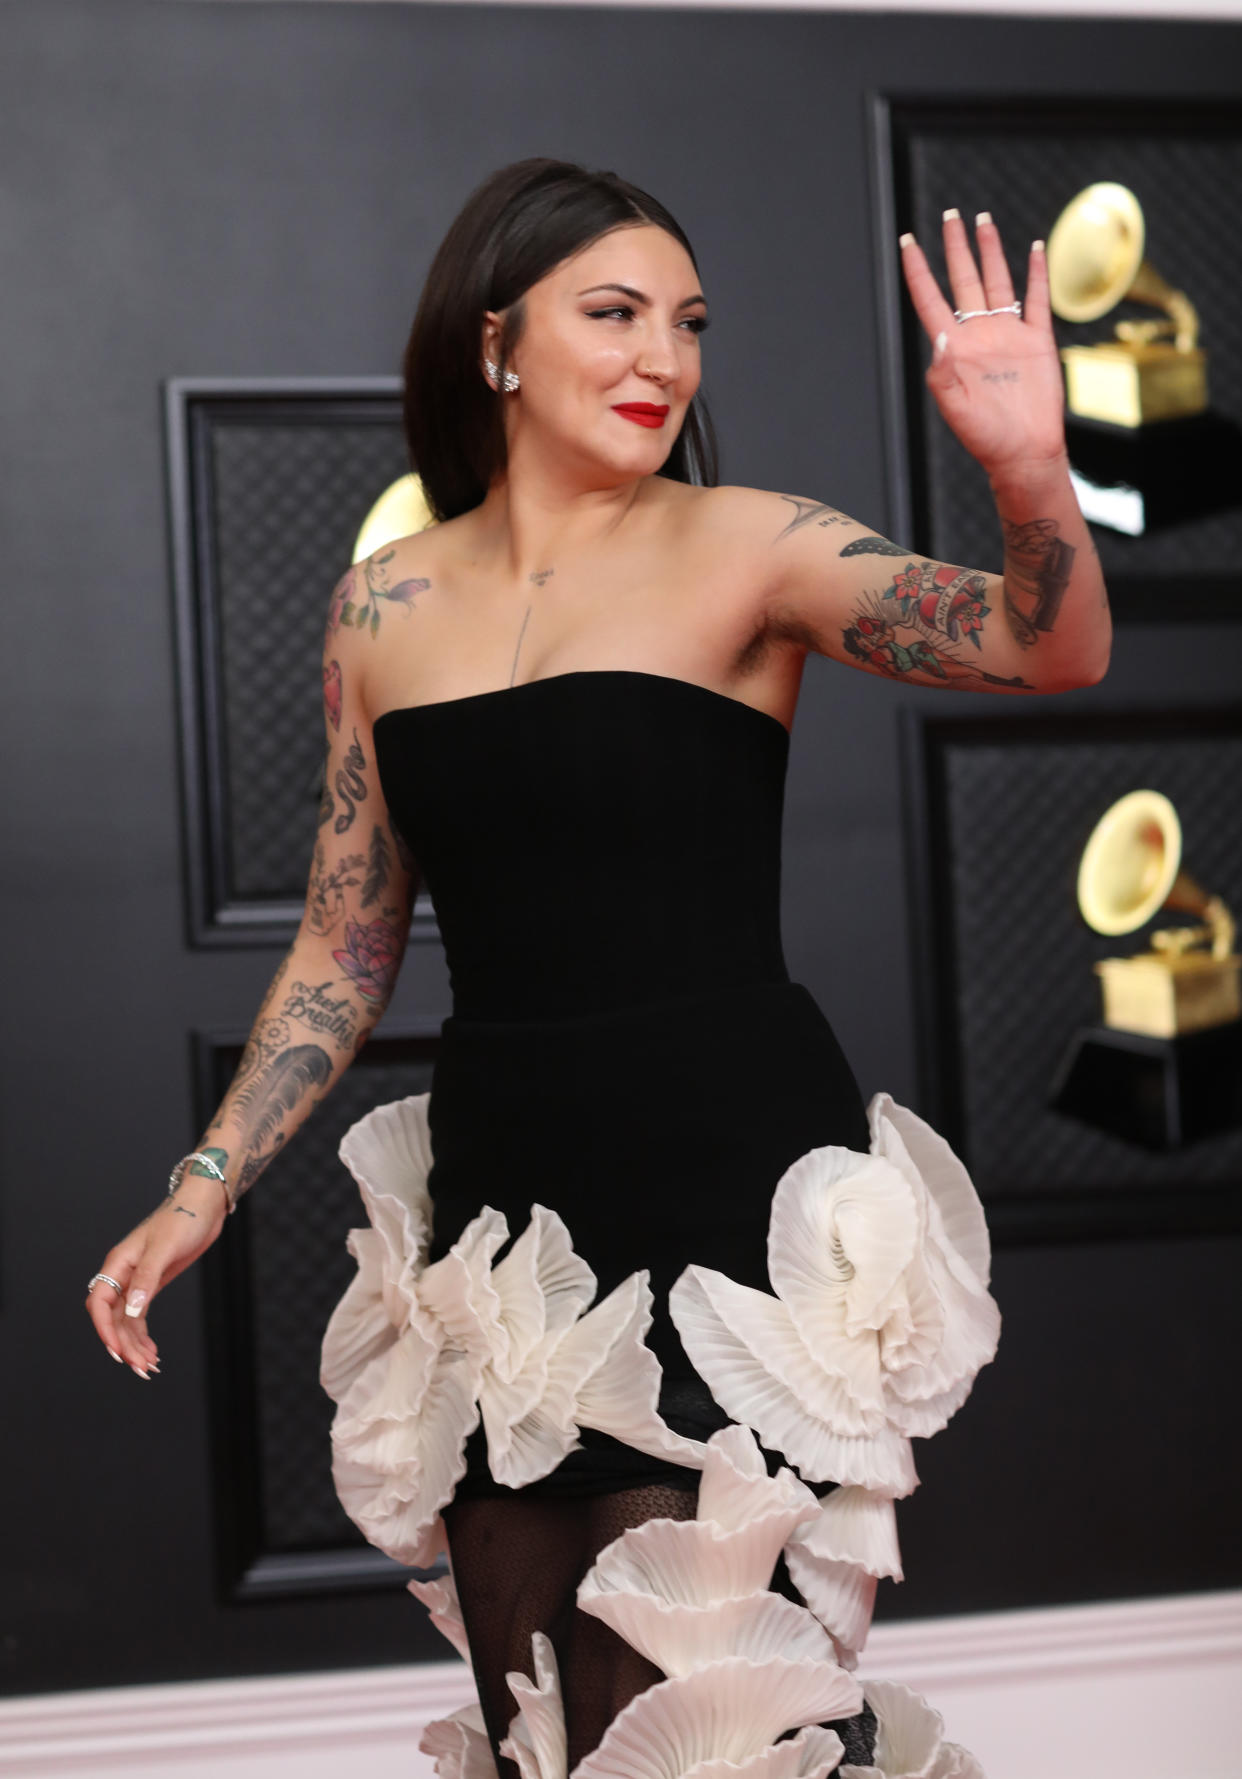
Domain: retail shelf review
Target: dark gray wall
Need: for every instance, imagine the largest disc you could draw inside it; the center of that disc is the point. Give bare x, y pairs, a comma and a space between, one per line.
257, 190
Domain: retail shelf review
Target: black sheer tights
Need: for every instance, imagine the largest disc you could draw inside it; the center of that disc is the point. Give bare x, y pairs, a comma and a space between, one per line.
517, 1562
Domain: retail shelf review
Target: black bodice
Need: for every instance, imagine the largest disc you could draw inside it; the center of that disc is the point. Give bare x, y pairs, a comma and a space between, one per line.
592, 839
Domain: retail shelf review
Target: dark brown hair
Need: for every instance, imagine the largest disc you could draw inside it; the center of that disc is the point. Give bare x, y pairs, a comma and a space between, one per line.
512, 231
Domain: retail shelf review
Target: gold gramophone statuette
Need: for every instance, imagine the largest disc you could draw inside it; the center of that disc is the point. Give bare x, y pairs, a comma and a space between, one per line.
1130, 870
1152, 370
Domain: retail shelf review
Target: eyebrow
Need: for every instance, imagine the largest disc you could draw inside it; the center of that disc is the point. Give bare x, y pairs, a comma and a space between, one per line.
629, 291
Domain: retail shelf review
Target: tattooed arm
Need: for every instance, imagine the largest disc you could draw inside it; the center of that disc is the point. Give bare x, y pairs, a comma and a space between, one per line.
328, 992
334, 983
1042, 625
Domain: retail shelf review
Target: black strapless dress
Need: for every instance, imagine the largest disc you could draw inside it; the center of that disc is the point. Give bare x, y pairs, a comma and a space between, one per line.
627, 1050
626, 1046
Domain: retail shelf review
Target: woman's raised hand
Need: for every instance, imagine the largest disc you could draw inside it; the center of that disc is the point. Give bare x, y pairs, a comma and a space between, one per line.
995, 378
174, 1235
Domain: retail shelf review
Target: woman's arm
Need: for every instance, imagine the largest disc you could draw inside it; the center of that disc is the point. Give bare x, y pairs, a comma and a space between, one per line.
1041, 624
334, 983
326, 995
842, 590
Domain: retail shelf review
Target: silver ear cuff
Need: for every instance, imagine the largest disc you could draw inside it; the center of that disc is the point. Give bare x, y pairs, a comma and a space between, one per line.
511, 377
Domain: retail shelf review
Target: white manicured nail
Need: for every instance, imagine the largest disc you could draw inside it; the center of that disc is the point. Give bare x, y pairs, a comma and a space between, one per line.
905, 240
983, 216
135, 1302
116, 1356
1037, 246
942, 341
951, 216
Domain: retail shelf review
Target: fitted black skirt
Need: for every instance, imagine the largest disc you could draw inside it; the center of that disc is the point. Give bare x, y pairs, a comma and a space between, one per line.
657, 1132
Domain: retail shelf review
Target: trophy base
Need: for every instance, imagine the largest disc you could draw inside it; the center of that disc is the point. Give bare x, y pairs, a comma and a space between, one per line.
1165, 996
1137, 480
1160, 1093
1132, 385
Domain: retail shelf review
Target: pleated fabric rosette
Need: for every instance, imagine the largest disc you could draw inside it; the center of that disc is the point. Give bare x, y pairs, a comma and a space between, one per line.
743, 1666
414, 1354
880, 1321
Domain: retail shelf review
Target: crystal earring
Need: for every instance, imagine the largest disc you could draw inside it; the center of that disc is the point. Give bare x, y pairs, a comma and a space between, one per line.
511, 377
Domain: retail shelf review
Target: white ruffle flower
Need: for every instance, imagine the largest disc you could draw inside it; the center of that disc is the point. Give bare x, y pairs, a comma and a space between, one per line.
744, 1665
459, 1745
414, 1354
909, 1741
882, 1316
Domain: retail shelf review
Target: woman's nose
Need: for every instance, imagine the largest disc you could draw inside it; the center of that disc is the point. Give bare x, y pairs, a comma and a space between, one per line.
658, 358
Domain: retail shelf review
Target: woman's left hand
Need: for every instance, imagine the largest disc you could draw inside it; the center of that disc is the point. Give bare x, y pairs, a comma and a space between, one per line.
996, 378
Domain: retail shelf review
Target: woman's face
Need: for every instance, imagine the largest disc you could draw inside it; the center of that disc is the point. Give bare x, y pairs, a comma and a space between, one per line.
588, 346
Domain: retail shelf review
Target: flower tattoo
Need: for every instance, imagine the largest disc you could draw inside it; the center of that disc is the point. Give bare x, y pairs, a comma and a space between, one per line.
371, 957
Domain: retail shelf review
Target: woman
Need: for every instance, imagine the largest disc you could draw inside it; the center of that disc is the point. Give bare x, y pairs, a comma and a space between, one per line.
566, 708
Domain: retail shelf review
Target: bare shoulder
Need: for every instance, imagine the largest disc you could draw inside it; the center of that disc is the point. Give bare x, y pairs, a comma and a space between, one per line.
755, 520
372, 590
765, 516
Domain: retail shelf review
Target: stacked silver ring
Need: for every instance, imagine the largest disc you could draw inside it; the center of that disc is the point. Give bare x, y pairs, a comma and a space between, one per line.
1014, 308
101, 1278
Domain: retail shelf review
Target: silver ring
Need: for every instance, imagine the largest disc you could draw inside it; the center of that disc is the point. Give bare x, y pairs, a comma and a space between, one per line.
102, 1278
1014, 308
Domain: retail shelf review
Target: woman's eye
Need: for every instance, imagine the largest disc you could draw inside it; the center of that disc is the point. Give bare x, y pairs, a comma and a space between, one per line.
695, 322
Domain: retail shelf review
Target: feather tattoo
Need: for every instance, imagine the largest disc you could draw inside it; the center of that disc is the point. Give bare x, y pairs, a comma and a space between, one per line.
282, 1086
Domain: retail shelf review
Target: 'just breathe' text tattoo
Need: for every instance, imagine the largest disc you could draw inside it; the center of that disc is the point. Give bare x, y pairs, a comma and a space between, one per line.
311, 1005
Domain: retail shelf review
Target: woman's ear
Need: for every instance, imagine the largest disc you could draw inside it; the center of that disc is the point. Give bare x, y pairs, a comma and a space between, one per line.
490, 339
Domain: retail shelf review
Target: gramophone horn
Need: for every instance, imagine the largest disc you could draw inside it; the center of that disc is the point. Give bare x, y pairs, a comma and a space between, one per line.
1095, 260
1130, 862
1130, 866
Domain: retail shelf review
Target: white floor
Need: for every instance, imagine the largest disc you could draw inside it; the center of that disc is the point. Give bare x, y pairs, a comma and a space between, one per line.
1146, 1689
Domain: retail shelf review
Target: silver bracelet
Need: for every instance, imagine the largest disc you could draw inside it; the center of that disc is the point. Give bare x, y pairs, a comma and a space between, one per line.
174, 1179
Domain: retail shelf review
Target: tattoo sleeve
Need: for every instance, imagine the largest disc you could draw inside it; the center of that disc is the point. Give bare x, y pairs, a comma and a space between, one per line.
333, 985
308, 1031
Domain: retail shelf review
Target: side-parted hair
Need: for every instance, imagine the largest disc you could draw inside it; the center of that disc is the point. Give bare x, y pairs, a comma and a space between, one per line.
513, 229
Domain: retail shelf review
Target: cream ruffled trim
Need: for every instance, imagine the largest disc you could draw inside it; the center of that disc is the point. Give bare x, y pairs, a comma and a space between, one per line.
414, 1354
880, 1320
743, 1665
881, 1317
910, 1739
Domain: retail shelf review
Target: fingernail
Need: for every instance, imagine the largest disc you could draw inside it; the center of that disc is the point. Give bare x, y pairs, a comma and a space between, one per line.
905, 240
138, 1371
1037, 246
951, 216
116, 1356
983, 216
942, 341
134, 1303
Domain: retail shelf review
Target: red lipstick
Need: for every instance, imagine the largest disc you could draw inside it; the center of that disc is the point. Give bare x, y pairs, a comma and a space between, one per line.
645, 413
